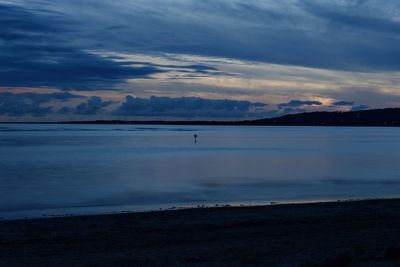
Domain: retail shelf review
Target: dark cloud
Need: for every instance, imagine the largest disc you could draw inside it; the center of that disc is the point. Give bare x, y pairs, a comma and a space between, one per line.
359, 108
289, 110
65, 110
349, 35
352, 17
36, 50
30, 103
361, 38
188, 107
343, 103
184, 107
64, 68
299, 103
94, 105
313, 33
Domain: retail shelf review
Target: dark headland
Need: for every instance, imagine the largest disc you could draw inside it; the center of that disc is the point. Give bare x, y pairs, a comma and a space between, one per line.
389, 117
359, 233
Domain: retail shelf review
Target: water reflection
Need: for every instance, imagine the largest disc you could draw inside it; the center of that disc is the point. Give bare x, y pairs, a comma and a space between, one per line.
62, 167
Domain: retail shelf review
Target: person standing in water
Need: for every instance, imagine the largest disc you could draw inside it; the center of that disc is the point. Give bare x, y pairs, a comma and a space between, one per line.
195, 138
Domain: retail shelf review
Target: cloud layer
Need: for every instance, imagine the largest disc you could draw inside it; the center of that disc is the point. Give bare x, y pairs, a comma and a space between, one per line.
36, 50
346, 35
31, 103
92, 106
295, 55
38, 105
299, 103
188, 107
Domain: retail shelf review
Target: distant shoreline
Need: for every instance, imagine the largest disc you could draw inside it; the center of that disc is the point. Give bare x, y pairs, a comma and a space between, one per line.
318, 234
389, 117
45, 214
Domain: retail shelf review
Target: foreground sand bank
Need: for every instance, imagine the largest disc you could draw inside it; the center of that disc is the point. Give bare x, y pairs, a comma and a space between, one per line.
363, 233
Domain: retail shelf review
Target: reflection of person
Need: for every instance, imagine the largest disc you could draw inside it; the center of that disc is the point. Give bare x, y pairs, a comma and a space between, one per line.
195, 138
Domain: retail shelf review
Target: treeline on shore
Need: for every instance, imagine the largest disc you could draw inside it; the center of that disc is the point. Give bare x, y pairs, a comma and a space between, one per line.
376, 117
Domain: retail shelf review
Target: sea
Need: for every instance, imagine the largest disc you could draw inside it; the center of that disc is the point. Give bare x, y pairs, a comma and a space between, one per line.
74, 169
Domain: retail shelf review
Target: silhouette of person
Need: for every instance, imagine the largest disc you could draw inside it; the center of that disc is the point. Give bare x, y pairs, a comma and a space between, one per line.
195, 138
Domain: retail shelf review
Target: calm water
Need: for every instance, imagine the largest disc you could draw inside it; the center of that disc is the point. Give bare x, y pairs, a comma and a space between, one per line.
64, 169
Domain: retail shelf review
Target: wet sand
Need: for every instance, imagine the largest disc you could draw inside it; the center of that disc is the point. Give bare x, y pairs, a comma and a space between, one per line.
360, 233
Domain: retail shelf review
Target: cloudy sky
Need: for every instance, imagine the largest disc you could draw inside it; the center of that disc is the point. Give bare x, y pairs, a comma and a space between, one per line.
195, 59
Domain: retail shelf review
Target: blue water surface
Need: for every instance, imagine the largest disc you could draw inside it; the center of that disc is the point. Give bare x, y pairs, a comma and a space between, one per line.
55, 169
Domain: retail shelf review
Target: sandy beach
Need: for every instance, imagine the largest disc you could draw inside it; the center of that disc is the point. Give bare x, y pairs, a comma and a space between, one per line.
359, 233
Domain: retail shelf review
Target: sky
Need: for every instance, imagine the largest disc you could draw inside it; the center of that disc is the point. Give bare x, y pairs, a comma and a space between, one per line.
196, 59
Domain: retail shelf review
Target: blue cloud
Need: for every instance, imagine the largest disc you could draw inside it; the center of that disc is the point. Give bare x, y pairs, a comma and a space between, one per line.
359, 108
188, 107
307, 33
65, 110
343, 103
351, 104
30, 103
323, 34
184, 107
94, 105
354, 16
363, 39
36, 50
299, 103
